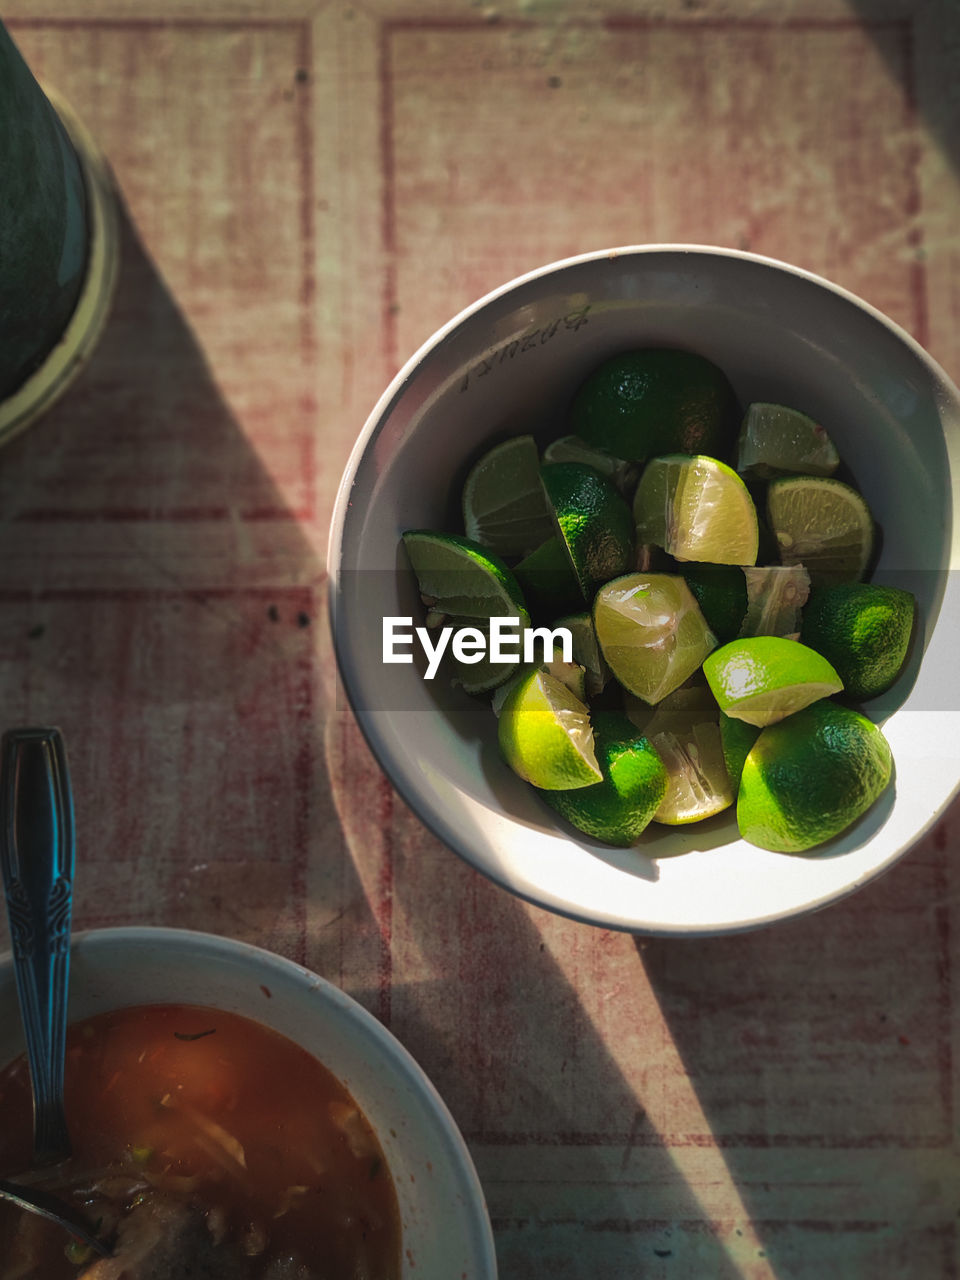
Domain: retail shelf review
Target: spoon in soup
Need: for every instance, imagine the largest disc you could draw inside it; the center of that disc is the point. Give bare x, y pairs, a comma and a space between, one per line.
37, 859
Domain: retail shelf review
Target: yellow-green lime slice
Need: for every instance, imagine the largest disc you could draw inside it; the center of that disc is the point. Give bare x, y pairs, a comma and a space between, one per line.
651, 632
822, 524
808, 778
697, 781
570, 674
776, 595
696, 508
683, 728
545, 735
503, 502
763, 679
593, 520
617, 809
775, 440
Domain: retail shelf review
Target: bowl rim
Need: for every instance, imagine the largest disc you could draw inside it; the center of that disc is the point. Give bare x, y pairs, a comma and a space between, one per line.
375, 421
198, 945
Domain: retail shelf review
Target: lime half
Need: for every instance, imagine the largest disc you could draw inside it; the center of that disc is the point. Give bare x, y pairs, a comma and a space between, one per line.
503, 502
696, 509
775, 440
763, 679
822, 524
651, 632
545, 735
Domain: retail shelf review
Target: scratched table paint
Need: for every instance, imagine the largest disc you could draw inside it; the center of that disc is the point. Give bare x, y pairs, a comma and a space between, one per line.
310, 189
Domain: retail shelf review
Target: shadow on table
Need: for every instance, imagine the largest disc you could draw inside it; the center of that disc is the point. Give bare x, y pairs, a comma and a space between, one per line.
162, 602
819, 1051
935, 91
576, 1179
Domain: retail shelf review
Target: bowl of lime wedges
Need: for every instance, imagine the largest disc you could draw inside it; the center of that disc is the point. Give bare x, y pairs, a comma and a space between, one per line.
641, 588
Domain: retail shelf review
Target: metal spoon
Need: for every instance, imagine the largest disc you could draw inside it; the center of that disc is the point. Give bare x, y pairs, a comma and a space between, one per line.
36, 858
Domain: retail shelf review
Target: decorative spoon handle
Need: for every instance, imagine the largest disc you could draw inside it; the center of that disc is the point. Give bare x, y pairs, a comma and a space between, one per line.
36, 855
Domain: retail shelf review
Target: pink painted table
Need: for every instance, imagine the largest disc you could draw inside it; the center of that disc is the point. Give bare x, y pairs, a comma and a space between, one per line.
310, 189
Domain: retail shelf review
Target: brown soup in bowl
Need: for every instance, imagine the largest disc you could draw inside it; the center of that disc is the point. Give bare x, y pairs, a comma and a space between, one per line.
205, 1145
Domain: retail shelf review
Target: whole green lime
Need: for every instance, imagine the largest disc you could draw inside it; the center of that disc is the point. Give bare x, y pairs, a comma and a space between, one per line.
807, 778
640, 404
863, 630
617, 809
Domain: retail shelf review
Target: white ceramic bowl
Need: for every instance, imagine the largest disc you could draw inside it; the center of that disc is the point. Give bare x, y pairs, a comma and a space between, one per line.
446, 1231
509, 364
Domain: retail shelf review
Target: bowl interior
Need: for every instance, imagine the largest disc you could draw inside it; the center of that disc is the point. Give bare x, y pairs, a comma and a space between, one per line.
510, 365
444, 1220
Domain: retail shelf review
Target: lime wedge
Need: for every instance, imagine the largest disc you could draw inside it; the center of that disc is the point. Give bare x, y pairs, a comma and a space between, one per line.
465, 585
696, 508
737, 737
822, 524
775, 596
548, 581
651, 632
763, 679
503, 503
617, 809
864, 630
586, 651
691, 704
570, 674
721, 592
483, 675
573, 449
545, 735
684, 731
775, 440
456, 576
697, 782
808, 778
593, 520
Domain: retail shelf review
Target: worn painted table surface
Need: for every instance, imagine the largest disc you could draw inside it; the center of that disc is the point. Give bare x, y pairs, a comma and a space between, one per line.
310, 189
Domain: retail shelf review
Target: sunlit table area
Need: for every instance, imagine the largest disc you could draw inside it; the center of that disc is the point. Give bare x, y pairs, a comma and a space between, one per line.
308, 189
